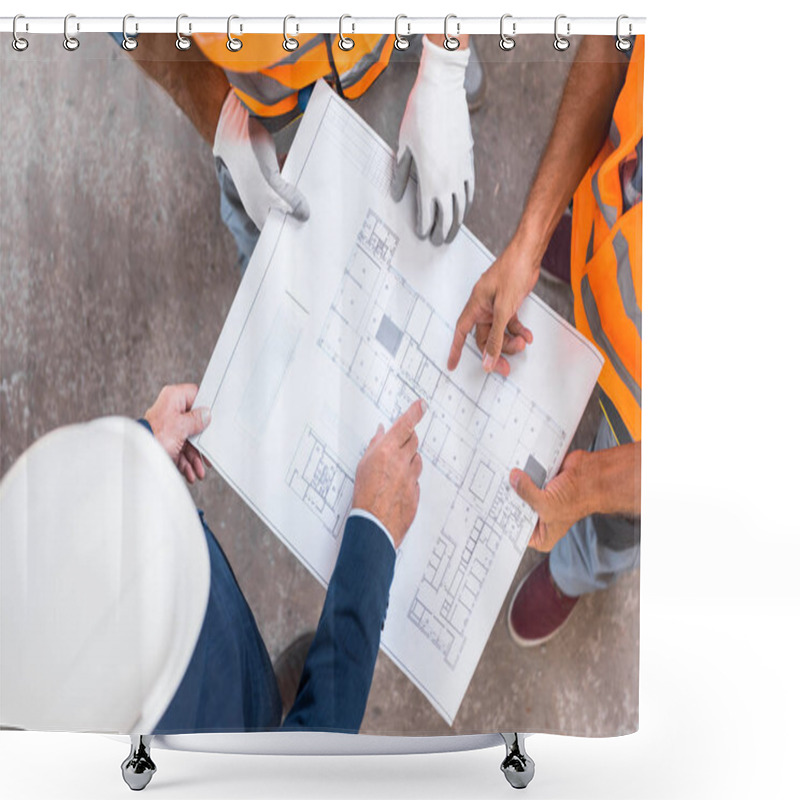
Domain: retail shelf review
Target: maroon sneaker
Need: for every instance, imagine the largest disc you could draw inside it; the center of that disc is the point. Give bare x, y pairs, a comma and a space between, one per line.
538, 609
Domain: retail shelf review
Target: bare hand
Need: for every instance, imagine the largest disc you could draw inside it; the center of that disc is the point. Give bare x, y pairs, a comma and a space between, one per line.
559, 505
173, 421
387, 478
492, 310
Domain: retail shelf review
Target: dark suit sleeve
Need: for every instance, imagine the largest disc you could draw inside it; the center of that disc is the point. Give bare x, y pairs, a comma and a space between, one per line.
338, 671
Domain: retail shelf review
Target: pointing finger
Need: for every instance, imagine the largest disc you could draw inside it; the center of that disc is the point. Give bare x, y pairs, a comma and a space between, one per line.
404, 426
467, 320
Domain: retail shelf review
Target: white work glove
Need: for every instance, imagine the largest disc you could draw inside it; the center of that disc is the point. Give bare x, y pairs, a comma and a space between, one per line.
248, 151
436, 139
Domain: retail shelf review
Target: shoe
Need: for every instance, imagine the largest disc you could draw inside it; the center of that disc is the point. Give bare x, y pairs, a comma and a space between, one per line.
288, 669
474, 79
538, 609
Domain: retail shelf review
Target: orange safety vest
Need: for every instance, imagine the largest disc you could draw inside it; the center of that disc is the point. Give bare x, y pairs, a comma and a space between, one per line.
606, 256
267, 78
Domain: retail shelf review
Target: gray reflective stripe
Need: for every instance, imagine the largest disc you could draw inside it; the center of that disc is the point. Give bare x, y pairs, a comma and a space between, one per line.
609, 212
613, 134
293, 56
260, 87
600, 338
360, 68
264, 88
625, 281
590, 248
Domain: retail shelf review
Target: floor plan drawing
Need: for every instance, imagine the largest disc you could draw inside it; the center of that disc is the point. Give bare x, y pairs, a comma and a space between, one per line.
388, 340
339, 324
321, 482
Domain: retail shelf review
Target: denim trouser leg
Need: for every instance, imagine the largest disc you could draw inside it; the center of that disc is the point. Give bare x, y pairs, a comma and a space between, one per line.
242, 228
597, 549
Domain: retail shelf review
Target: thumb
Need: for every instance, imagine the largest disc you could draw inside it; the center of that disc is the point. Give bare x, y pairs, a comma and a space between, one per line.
402, 171
494, 344
290, 194
526, 489
194, 422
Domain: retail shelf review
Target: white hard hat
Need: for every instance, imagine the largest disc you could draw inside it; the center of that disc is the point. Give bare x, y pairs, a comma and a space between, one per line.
104, 581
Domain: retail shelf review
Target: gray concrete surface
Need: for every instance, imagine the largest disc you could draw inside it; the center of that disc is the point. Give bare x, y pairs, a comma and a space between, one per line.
116, 274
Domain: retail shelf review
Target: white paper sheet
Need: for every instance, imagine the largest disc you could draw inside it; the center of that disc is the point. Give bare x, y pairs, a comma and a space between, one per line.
339, 324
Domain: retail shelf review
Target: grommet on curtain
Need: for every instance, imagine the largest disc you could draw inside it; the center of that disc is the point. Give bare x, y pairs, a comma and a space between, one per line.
70, 42
507, 42
345, 42
560, 43
289, 43
18, 43
128, 42
400, 42
182, 43
233, 44
451, 42
623, 43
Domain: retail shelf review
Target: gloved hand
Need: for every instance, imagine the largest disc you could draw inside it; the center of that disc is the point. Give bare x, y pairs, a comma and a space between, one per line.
248, 151
436, 138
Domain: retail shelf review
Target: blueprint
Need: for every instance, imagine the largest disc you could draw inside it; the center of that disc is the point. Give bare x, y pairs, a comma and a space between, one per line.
339, 324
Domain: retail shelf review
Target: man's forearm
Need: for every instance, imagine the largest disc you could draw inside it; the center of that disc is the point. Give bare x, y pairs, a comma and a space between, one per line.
612, 480
197, 86
581, 127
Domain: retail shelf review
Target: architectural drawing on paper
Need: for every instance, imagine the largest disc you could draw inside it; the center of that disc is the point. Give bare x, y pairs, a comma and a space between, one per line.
388, 340
320, 481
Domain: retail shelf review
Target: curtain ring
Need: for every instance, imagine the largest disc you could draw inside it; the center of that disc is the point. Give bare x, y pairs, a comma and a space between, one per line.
400, 42
18, 43
182, 43
128, 42
70, 42
345, 42
623, 44
560, 43
289, 43
451, 42
233, 44
507, 42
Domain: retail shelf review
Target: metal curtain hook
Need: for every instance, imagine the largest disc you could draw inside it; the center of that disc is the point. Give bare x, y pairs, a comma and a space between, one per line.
345, 43
289, 43
128, 42
507, 42
623, 44
451, 42
233, 44
70, 42
182, 43
560, 43
400, 42
18, 43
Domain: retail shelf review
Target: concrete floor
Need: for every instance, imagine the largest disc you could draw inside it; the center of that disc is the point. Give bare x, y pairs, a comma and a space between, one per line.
116, 274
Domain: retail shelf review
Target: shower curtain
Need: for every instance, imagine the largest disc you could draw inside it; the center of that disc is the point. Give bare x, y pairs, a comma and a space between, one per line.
144, 195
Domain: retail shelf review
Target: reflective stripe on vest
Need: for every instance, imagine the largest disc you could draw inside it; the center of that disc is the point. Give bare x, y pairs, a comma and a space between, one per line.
266, 78
607, 260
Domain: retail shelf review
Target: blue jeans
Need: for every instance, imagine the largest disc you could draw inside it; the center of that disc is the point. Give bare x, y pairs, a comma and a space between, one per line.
597, 549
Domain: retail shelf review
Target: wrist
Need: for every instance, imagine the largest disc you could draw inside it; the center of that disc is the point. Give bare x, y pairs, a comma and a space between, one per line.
610, 480
526, 249
442, 63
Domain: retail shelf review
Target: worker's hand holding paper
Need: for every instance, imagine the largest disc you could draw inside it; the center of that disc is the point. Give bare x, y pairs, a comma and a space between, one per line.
436, 141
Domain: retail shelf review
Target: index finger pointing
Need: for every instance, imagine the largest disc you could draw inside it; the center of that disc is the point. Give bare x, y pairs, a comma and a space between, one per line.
467, 320
404, 425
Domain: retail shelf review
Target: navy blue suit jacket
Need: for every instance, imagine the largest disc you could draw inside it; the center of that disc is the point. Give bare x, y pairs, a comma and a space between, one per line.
230, 685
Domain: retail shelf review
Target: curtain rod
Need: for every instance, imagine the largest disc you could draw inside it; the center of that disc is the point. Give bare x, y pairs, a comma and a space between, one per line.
405, 26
